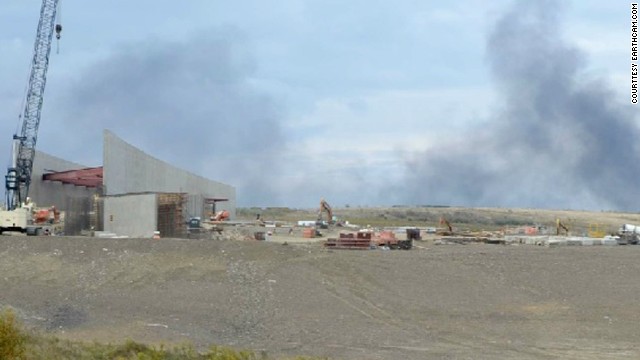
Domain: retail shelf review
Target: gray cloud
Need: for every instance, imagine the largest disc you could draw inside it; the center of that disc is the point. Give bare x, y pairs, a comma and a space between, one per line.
186, 102
557, 140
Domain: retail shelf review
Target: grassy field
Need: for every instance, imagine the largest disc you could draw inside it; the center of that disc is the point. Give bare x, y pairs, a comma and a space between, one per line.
17, 343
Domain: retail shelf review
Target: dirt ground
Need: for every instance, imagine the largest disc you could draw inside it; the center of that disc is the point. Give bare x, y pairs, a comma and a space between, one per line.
447, 301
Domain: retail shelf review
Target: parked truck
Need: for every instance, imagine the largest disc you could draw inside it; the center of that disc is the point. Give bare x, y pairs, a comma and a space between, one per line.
629, 234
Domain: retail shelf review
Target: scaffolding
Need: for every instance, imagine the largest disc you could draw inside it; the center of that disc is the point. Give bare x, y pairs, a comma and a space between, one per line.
96, 216
77, 214
173, 210
172, 221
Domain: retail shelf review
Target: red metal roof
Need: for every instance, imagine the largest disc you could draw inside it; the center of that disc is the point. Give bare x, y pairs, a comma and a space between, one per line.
89, 177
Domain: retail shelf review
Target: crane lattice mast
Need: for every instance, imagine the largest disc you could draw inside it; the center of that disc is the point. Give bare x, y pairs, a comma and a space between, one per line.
18, 176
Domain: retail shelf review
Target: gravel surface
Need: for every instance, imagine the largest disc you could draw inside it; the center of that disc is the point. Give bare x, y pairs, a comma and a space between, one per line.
450, 301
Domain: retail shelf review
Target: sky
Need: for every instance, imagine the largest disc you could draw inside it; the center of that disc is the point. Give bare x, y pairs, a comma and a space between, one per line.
362, 103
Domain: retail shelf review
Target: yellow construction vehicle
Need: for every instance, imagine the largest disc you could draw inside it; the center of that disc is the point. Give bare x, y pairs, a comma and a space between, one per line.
561, 226
595, 231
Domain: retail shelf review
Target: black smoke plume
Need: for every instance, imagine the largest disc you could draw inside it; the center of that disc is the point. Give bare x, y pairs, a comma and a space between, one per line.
557, 140
190, 103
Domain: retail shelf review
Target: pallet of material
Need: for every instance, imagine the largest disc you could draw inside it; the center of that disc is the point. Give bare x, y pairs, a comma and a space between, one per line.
309, 233
348, 243
359, 240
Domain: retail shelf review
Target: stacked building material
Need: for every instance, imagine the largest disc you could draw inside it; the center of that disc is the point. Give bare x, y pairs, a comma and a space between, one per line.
463, 240
171, 217
358, 241
309, 233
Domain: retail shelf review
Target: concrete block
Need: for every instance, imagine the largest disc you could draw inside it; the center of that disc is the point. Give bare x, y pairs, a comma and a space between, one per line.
557, 242
104, 234
530, 241
574, 242
512, 240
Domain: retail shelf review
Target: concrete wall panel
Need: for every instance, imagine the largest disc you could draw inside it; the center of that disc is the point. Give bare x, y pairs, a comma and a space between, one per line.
48, 193
131, 215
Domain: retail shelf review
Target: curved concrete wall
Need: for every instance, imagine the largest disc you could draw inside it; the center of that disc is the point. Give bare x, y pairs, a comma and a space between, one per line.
128, 170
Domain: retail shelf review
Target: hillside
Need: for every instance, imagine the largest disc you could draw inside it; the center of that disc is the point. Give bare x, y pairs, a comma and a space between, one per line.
460, 217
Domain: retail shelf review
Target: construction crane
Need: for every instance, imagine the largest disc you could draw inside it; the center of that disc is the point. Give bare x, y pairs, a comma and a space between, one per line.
18, 178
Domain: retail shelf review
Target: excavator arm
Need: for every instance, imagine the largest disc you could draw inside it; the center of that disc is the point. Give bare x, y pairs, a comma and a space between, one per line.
559, 226
444, 221
325, 207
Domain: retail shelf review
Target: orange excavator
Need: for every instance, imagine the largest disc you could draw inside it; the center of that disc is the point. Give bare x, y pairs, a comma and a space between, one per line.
220, 216
445, 222
46, 215
325, 207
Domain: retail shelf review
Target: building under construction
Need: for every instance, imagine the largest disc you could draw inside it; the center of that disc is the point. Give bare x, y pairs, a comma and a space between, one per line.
131, 194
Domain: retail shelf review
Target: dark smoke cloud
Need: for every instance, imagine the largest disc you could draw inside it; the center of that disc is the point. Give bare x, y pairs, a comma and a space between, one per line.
558, 140
189, 103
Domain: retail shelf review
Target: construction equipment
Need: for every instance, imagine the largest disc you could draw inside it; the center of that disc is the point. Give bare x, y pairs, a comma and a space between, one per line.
413, 234
49, 215
17, 215
324, 207
213, 214
629, 234
221, 216
561, 226
445, 222
595, 231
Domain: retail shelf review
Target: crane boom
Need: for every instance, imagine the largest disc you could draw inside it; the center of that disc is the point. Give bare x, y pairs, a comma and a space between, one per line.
18, 176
